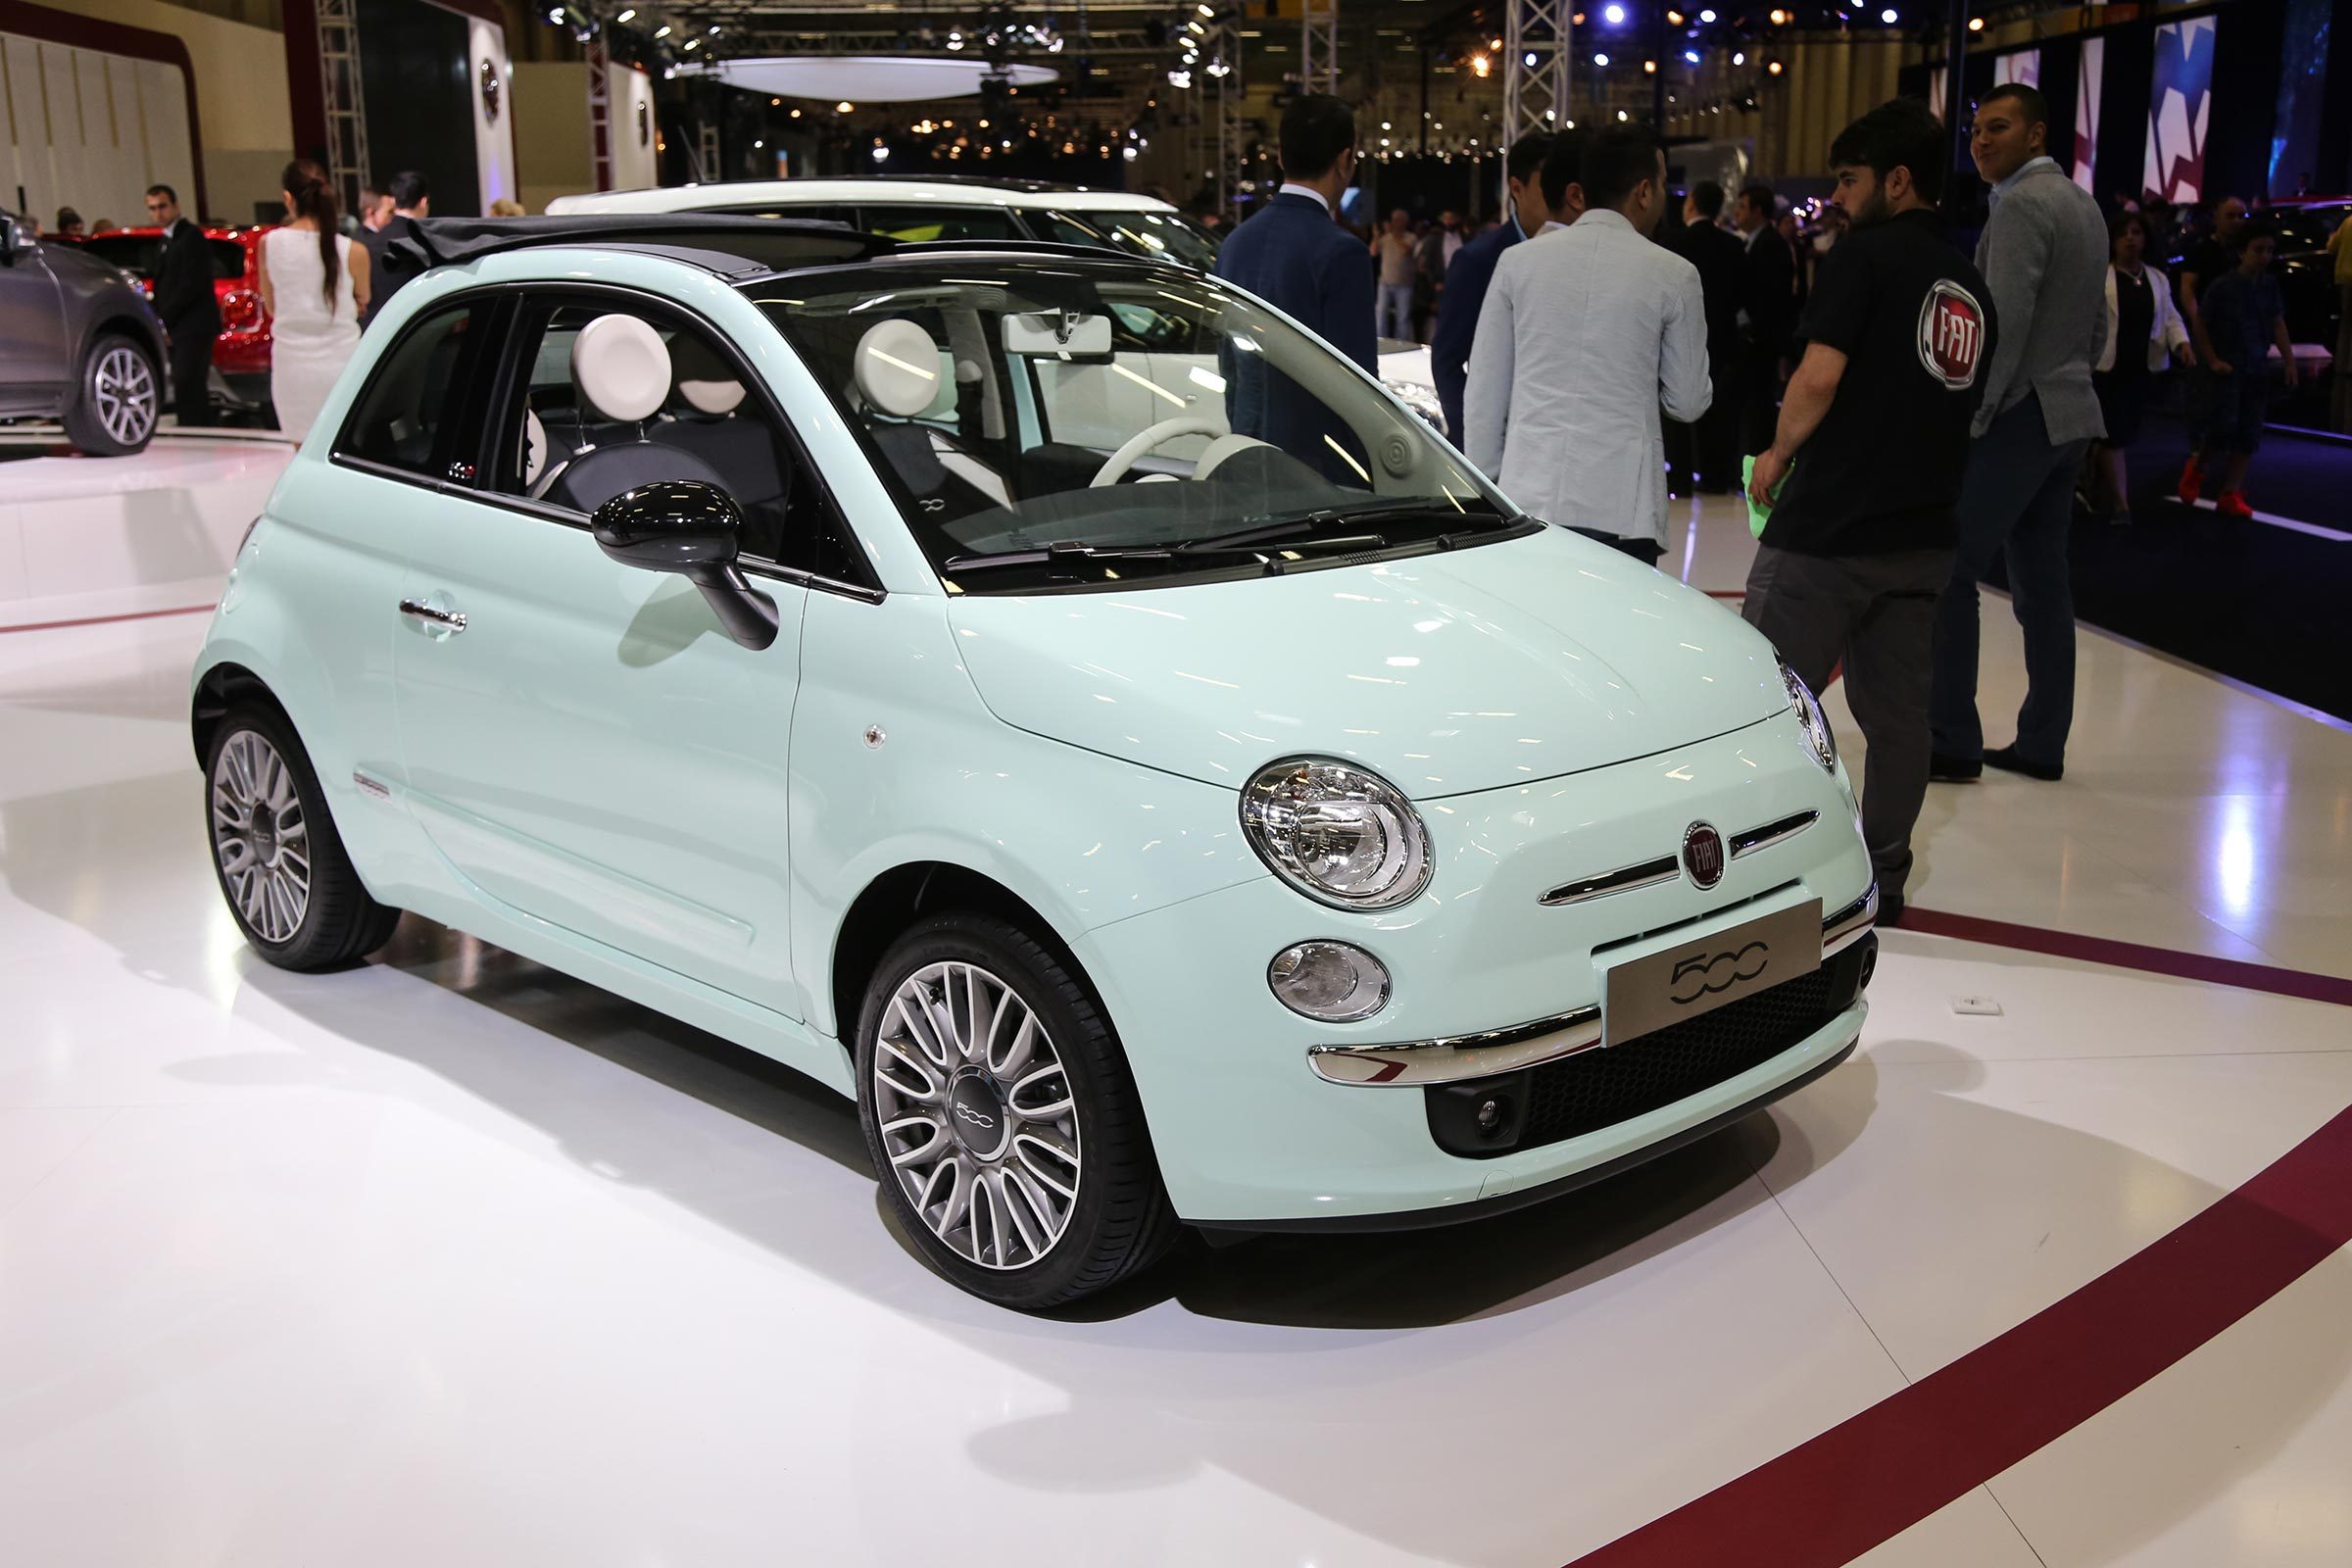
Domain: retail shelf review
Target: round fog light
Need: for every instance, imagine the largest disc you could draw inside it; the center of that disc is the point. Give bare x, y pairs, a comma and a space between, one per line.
1329, 981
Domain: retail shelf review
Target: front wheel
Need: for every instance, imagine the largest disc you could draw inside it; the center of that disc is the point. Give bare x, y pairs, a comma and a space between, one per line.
282, 865
1002, 1118
118, 403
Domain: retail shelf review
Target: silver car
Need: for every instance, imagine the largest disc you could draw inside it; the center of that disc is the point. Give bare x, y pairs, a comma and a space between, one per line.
78, 343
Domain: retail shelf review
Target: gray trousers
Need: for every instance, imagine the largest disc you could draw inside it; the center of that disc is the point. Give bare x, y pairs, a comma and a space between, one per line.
1876, 616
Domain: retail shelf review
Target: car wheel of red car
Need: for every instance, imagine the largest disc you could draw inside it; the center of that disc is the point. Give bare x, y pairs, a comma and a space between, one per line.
116, 408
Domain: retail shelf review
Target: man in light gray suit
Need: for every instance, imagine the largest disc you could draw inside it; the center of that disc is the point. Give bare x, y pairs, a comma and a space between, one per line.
2044, 258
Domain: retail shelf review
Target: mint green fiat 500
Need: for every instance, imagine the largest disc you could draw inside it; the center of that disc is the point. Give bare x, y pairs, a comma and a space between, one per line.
1048, 697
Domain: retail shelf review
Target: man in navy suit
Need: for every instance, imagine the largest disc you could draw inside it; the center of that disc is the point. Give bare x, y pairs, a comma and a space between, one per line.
1473, 270
1296, 256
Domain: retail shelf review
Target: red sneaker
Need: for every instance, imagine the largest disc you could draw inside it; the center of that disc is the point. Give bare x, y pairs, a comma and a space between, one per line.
2231, 504
2192, 483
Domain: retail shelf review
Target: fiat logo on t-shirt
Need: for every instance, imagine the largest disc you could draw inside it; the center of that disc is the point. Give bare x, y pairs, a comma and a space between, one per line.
1951, 334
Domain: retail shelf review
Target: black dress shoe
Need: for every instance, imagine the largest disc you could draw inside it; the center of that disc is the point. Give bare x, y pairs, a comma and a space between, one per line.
1943, 769
1890, 909
2008, 762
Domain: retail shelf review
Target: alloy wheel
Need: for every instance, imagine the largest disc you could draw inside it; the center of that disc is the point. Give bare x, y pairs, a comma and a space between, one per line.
260, 837
123, 387
976, 1115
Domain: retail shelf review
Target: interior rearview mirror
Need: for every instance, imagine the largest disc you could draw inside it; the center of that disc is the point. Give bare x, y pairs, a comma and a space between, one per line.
693, 530
1051, 333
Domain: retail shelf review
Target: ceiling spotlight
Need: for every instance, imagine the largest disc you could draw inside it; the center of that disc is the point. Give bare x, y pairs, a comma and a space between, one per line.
1674, 18
1530, 59
1976, 24
1649, 68
1780, 19
1739, 57
1621, 115
881, 155
627, 14
1180, 78
694, 44
1206, 11
1600, 59
1774, 68
1890, 16
1480, 66
663, 32
1614, 15
1707, 18
714, 29
845, 107
1690, 55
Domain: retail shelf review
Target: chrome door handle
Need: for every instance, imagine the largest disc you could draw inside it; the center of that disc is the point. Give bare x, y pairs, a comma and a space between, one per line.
450, 618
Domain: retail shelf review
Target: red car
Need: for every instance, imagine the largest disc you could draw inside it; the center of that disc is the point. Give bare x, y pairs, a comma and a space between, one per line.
241, 353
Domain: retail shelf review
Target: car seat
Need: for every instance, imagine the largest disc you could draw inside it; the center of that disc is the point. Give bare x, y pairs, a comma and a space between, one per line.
896, 371
620, 370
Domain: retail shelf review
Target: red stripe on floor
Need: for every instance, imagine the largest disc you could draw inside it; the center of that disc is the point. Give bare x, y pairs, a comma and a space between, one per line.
109, 620
1874, 1476
2133, 955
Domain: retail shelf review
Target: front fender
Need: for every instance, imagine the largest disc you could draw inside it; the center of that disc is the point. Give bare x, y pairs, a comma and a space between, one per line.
1084, 840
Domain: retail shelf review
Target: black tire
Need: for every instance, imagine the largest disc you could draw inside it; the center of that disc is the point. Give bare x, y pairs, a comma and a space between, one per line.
118, 399
1119, 1222
337, 922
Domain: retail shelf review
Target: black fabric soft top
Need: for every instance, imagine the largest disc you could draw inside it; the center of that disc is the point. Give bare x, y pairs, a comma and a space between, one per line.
732, 246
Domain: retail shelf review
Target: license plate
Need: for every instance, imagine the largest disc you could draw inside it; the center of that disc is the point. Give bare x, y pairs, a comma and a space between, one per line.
1645, 994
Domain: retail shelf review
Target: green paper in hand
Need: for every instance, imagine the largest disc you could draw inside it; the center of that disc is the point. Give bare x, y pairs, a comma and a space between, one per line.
1757, 515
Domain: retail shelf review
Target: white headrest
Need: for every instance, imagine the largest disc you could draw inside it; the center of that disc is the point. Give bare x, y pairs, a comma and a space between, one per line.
898, 368
712, 397
621, 368
534, 447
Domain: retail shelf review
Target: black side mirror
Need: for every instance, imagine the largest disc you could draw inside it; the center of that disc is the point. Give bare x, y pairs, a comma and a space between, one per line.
691, 528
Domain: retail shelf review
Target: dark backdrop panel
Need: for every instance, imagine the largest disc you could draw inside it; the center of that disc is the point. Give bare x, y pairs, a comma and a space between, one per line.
2245, 97
2336, 109
419, 88
2061, 58
2124, 95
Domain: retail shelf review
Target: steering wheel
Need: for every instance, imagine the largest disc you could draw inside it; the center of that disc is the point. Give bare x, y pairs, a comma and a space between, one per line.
1144, 440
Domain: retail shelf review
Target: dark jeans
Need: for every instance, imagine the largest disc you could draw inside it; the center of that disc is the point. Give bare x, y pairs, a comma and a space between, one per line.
191, 351
1876, 615
2017, 499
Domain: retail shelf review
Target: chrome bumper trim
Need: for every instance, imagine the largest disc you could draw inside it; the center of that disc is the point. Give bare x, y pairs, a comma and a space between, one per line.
1844, 929
1450, 1058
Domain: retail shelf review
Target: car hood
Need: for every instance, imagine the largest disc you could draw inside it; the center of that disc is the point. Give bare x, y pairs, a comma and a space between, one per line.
1448, 672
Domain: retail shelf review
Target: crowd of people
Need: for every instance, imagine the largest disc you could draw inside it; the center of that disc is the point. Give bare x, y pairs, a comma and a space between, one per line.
1902, 410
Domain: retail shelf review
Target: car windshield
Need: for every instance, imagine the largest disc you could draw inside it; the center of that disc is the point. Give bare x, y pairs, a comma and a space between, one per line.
1042, 423
1161, 236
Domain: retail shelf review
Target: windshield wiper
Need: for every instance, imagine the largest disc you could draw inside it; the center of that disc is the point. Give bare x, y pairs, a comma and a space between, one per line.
1067, 556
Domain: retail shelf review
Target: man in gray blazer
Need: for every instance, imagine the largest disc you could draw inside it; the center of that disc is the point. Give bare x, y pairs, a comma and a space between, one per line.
2044, 258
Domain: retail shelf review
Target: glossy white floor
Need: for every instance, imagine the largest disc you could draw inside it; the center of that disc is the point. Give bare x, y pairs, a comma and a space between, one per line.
453, 1260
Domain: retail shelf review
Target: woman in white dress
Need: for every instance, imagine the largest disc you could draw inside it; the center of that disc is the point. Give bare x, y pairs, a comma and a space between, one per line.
314, 287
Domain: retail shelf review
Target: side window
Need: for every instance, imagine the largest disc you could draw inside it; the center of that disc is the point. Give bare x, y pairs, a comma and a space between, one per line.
927, 223
405, 416
614, 397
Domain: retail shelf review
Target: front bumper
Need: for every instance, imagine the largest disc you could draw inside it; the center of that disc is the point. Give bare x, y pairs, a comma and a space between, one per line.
1249, 1135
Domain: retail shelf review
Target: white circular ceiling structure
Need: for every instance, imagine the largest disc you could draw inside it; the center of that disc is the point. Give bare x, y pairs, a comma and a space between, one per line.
870, 78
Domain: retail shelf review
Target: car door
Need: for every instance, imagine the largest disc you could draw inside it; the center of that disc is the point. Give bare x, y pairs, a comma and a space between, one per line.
583, 740
34, 358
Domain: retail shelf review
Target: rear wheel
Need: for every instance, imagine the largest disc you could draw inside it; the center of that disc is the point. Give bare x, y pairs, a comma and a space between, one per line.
280, 864
1002, 1118
118, 400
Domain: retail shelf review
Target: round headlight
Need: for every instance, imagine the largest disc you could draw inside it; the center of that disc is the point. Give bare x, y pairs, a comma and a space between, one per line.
1334, 982
1811, 719
1337, 833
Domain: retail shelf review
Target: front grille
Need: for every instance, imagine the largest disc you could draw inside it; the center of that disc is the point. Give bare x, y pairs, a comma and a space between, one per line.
1597, 1089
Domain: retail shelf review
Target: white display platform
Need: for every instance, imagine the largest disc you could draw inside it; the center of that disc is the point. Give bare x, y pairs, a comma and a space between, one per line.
91, 538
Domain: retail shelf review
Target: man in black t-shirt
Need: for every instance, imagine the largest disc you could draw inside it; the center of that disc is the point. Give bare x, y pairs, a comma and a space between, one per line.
1872, 441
